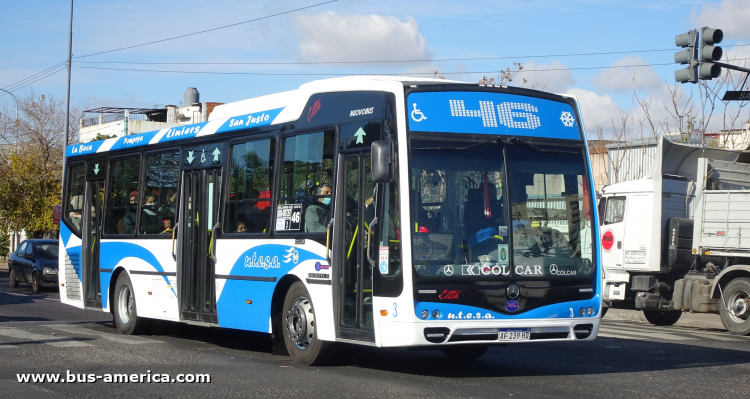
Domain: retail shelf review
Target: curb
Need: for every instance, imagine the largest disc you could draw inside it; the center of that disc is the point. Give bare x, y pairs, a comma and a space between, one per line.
699, 320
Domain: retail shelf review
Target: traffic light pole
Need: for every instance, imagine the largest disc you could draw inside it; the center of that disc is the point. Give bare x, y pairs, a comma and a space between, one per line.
730, 66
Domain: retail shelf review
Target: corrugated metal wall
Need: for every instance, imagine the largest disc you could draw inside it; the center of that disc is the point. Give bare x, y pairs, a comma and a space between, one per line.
630, 162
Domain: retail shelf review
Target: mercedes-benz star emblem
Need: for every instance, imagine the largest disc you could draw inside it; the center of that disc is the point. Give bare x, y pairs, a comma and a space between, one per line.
448, 270
513, 291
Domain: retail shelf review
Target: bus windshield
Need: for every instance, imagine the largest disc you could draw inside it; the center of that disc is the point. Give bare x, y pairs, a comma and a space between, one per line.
478, 217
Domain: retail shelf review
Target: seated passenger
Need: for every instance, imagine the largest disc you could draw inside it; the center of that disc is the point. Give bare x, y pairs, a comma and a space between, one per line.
240, 228
129, 219
150, 221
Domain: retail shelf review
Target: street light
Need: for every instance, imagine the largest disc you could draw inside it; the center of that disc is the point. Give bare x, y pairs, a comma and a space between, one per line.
14, 98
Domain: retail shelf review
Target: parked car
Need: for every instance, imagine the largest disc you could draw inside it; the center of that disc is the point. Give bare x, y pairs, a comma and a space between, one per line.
35, 262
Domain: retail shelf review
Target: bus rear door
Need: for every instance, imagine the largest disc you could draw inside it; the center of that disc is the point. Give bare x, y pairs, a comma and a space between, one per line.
197, 228
92, 232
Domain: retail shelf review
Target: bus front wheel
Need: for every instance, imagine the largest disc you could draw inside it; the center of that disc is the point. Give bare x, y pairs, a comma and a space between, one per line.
298, 325
126, 312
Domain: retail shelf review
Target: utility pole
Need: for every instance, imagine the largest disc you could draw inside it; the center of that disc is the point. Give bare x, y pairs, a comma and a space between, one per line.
67, 95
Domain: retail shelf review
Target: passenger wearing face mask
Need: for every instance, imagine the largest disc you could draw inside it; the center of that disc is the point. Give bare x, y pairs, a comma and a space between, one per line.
317, 214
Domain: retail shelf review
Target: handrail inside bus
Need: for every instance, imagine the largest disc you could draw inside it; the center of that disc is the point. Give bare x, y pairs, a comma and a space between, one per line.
174, 231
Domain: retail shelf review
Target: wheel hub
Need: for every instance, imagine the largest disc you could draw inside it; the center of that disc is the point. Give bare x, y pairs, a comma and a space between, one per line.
739, 307
125, 304
300, 323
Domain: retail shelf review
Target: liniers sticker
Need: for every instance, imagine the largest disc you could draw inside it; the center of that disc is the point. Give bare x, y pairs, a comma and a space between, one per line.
288, 217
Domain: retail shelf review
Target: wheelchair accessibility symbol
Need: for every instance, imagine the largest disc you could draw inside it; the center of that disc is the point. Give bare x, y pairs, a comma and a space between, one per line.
417, 115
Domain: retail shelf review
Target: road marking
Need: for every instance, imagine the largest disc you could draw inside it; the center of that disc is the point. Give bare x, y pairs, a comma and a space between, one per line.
7, 346
608, 335
683, 330
60, 342
124, 339
14, 294
670, 337
693, 330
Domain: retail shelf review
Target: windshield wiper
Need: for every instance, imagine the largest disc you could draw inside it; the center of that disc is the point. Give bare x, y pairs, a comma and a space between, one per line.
488, 141
516, 141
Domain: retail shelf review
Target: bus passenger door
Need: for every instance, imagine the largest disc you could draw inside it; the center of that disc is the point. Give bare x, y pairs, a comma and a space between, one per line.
91, 233
198, 225
354, 211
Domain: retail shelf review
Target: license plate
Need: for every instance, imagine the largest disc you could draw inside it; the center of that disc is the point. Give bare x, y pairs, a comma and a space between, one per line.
514, 335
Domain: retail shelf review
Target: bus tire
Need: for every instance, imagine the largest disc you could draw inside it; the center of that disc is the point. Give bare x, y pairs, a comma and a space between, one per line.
12, 280
659, 318
126, 312
736, 319
298, 328
465, 353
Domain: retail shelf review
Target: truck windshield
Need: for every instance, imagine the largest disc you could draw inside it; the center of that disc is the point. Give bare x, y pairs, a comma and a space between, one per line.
476, 217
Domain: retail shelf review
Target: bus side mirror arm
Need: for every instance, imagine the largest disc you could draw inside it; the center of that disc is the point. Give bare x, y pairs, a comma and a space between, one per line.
382, 161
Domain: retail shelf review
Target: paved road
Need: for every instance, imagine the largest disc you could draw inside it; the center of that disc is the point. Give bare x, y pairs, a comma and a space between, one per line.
630, 359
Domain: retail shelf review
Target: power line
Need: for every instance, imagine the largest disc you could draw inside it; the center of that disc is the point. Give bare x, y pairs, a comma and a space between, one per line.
22, 81
210, 30
371, 74
38, 79
32, 76
391, 61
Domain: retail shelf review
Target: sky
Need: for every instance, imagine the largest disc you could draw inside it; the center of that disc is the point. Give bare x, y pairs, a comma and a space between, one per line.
291, 42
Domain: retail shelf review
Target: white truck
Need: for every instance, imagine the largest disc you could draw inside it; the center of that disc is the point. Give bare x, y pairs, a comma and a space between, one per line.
678, 239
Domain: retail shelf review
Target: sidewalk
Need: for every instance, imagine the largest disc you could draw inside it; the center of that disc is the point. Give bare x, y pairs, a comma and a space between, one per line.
700, 320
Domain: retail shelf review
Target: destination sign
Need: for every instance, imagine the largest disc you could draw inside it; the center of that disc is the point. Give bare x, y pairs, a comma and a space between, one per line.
491, 113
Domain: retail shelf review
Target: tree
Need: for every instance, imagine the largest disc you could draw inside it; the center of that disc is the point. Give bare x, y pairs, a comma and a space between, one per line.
31, 155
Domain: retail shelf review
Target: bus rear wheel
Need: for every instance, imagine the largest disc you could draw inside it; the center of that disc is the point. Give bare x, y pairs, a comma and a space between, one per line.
298, 327
126, 312
736, 314
659, 318
465, 353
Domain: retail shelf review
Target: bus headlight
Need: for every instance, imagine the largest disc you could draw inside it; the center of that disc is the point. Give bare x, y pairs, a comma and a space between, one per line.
435, 314
589, 311
425, 314
582, 311
49, 270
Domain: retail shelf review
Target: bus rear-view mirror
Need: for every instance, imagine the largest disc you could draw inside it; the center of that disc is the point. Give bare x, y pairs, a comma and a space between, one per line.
382, 164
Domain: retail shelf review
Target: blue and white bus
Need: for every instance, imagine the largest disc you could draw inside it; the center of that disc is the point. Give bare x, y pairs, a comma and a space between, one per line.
382, 211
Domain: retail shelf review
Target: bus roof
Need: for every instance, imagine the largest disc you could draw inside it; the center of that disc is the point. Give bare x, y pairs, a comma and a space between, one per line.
266, 110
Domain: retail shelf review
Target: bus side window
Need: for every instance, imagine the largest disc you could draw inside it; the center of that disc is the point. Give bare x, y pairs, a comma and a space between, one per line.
615, 210
76, 182
122, 201
160, 193
251, 180
307, 180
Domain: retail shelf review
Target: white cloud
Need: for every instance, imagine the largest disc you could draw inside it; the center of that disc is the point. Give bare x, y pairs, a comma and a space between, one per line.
597, 111
731, 16
621, 78
554, 77
334, 37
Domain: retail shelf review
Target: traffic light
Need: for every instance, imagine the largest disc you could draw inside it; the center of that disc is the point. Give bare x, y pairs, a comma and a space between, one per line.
688, 56
710, 53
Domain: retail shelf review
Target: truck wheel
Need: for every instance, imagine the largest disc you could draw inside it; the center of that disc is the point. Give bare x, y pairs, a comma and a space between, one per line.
736, 297
126, 313
12, 279
298, 328
659, 318
464, 353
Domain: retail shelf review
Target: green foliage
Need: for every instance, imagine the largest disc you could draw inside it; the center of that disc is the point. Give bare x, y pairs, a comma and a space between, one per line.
4, 244
100, 137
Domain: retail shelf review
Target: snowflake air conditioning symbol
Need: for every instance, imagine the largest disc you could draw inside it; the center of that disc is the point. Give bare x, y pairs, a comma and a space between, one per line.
567, 119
